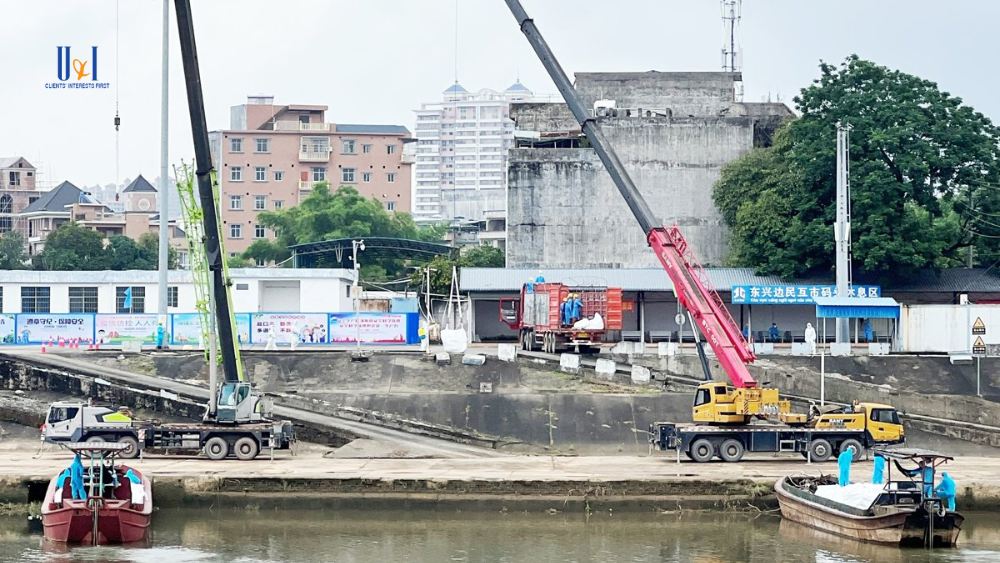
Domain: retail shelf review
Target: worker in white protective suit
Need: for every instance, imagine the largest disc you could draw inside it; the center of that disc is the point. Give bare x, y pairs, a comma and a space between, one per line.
811, 338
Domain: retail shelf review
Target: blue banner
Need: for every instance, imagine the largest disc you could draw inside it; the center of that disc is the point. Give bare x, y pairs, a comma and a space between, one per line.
795, 294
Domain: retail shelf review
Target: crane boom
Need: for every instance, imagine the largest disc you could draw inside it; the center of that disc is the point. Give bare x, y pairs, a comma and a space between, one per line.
694, 289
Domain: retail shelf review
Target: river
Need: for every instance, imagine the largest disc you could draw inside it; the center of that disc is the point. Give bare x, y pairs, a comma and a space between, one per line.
445, 536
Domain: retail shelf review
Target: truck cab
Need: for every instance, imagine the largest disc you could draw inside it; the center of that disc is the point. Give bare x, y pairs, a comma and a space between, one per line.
71, 422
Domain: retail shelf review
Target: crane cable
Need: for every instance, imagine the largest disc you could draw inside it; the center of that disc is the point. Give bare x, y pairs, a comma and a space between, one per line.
118, 119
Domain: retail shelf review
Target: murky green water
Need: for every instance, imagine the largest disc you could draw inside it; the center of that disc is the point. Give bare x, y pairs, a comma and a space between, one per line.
203, 536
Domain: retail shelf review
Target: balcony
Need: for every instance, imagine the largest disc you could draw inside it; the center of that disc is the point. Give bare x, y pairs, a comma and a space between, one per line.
305, 186
297, 126
314, 156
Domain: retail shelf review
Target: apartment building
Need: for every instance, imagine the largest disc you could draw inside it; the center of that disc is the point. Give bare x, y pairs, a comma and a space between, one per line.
17, 192
461, 168
272, 155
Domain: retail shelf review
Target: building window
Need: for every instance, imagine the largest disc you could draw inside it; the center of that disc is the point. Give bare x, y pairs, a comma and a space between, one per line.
1, 298
236, 202
133, 301
390, 177
14, 178
172, 296
278, 204
348, 147
6, 204
263, 145
319, 173
260, 262
235, 230
259, 174
390, 206
259, 202
236, 173
390, 149
236, 145
366, 148
83, 300
366, 177
34, 299
279, 176
258, 231
348, 175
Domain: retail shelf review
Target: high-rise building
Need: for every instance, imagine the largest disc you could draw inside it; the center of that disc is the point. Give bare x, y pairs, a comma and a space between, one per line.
272, 155
461, 168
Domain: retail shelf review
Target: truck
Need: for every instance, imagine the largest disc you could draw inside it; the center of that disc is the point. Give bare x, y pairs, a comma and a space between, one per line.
536, 316
87, 422
858, 427
718, 407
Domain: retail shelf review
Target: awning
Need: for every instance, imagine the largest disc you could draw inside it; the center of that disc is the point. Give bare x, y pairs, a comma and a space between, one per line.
856, 308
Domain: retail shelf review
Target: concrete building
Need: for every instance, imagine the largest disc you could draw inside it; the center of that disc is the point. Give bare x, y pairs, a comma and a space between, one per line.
673, 131
271, 156
17, 192
462, 154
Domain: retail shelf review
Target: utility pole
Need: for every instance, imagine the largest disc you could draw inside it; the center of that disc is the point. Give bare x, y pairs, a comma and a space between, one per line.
731, 59
842, 228
164, 182
356, 244
972, 239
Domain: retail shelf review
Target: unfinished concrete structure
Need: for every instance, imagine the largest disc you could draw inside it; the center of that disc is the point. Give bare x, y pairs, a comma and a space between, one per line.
673, 131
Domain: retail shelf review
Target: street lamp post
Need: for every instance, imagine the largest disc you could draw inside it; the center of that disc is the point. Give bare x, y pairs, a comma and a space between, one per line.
356, 244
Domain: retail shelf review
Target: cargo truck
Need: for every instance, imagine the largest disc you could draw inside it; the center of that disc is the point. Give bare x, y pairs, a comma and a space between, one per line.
537, 317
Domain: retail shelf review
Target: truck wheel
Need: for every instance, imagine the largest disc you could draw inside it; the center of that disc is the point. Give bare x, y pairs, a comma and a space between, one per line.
820, 450
702, 451
854, 445
246, 448
95, 439
216, 448
531, 340
132, 447
731, 450
524, 340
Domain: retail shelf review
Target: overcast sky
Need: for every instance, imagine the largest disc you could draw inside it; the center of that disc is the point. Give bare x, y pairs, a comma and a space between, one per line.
375, 61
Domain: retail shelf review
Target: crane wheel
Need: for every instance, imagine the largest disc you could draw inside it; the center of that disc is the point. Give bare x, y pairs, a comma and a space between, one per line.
216, 448
246, 448
702, 450
131, 450
731, 450
853, 445
820, 450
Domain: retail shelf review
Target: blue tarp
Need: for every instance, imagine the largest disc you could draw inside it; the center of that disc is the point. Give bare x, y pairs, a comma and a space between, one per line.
857, 308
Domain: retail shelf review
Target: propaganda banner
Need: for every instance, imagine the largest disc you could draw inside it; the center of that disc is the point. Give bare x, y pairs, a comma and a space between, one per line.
308, 328
115, 329
185, 329
375, 328
40, 328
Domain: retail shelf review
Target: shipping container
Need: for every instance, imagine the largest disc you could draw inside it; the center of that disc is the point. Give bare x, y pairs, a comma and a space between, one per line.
536, 315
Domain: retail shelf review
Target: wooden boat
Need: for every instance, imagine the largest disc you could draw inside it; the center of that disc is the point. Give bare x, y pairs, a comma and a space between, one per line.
903, 513
115, 510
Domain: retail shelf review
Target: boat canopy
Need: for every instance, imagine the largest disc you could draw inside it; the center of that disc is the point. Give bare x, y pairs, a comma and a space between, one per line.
94, 447
913, 454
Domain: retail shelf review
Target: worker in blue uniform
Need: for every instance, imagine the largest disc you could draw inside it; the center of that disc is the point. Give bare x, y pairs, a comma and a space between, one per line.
878, 473
160, 334
844, 464
564, 311
76, 478
946, 490
576, 307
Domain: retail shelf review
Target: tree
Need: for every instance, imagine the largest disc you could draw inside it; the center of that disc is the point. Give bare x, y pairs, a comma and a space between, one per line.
917, 156
126, 254
475, 257
150, 243
72, 247
342, 214
12, 254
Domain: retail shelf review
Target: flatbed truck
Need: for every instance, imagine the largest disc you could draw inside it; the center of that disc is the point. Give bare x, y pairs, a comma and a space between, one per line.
537, 318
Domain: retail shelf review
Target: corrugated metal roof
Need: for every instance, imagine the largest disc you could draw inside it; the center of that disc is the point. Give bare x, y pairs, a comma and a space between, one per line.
383, 129
860, 301
856, 308
174, 276
956, 280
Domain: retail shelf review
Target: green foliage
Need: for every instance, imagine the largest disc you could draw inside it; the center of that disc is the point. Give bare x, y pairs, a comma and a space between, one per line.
476, 257
238, 262
150, 242
126, 254
72, 247
12, 254
917, 156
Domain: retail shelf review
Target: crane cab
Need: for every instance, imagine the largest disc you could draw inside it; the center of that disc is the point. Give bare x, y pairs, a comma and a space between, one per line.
881, 422
239, 403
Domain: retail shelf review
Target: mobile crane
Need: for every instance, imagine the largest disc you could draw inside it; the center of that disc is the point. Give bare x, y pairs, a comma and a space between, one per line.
726, 409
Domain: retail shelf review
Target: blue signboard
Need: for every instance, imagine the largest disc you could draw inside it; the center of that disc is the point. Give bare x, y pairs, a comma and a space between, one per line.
795, 294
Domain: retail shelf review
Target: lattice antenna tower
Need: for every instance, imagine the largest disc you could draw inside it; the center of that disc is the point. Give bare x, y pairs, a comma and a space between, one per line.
732, 55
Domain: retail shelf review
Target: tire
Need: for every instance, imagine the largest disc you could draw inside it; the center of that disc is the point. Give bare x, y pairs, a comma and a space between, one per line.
856, 445
820, 450
216, 448
732, 450
531, 340
702, 451
133, 447
246, 448
95, 439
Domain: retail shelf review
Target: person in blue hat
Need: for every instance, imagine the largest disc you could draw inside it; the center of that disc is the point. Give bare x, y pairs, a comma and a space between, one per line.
946, 490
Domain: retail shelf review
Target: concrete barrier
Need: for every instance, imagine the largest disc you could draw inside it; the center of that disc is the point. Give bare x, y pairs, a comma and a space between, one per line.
507, 352
878, 349
840, 349
629, 348
605, 368
763, 348
442, 359
569, 363
801, 349
640, 374
664, 349
473, 359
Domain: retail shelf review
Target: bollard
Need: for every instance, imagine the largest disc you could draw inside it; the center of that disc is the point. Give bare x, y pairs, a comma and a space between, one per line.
43, 348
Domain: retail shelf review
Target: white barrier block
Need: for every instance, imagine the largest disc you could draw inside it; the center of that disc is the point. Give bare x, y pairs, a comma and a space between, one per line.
569, 363
507, 352
622, 347
878, 348
606, 368
640, 374
666, 349
442, 358
763, 348
473, 359
801, 349
840, 349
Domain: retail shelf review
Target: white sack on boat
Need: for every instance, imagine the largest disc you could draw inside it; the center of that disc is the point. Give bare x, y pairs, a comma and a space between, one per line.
857, 495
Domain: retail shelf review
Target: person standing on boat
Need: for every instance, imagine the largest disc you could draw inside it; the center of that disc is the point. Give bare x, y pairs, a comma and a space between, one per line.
76, 478
844, 463
946, 490
878, 474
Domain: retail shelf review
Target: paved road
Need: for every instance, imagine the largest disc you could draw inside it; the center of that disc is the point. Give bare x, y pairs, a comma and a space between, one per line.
415, 444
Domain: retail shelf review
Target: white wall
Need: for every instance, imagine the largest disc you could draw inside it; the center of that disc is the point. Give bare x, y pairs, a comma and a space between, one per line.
947, 328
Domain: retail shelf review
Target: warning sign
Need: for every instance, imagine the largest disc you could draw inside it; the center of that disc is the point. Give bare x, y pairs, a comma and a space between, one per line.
979, 348
979, 327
